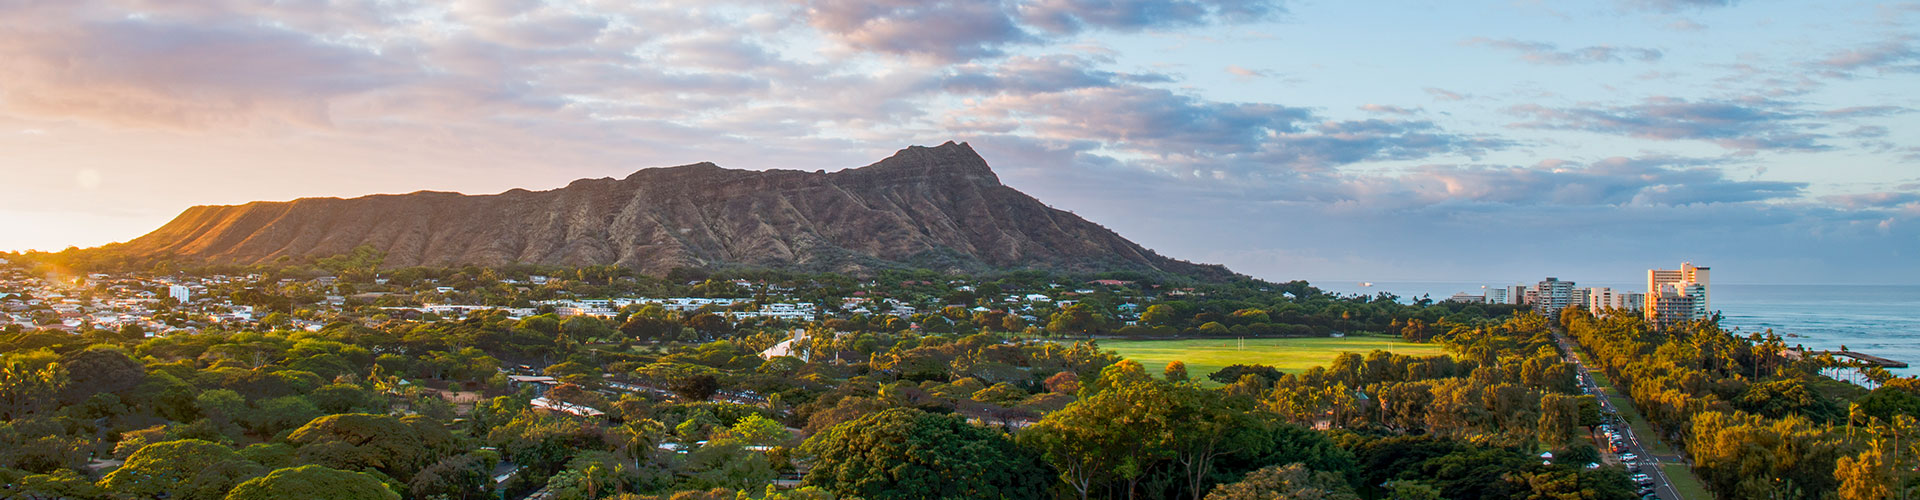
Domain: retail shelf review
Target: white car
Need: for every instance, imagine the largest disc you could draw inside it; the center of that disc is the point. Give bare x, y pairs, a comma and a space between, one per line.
1629, 458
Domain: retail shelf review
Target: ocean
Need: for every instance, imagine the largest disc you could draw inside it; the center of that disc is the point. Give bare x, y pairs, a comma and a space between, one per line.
1882, 320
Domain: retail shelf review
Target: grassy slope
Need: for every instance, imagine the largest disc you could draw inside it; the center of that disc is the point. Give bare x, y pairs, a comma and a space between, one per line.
1688, 486
1287, 354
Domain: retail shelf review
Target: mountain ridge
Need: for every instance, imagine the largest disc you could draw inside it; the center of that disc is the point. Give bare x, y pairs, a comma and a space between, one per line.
938, 207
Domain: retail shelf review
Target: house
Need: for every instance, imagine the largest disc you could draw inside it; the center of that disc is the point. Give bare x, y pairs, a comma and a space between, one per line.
540, 381
565, 407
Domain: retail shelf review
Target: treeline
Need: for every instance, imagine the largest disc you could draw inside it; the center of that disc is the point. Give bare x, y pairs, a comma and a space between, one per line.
1755, 422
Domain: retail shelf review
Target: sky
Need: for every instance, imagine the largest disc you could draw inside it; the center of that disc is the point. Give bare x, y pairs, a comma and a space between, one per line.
1496, 141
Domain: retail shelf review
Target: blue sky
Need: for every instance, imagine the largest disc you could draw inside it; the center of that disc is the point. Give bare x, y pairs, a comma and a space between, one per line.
1485, 141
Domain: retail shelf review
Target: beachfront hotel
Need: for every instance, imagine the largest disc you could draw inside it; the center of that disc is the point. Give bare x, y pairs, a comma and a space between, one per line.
1678, 295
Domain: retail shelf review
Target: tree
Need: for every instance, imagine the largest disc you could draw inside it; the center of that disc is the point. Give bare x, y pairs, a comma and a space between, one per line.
25, 390
271, 416
542, 442
1288, 482
1077, 319
756, 430
1865, 476
584, 328
1176, 372
689, 381
906, 453
1159, 315
1232, 373
314, 482
344, 398
1118, 432
101, 368
710, 325
187, 469
459, 477
397, 447
1559, 415
221, 405
728, 464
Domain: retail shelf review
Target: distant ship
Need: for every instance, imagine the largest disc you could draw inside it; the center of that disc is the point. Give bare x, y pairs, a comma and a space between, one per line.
1366, 284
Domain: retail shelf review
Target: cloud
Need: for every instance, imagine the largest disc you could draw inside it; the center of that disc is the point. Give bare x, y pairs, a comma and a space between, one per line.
1160, 130
1867, 132
1389, 109
1039, 74
159, 72
1748, 124
1440, 94
1672, 5
1609, 182
1244, 73
1888, 199
943, 30
1547, 53
1897, 55
1686, 25
963, 30
1072, 16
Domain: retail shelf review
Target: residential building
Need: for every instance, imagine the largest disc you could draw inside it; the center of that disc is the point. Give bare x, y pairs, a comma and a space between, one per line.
1464, 298
1551, 295
180, 293
1602, 299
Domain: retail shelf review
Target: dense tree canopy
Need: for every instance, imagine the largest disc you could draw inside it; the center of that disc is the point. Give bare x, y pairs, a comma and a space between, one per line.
903, 453
312, 482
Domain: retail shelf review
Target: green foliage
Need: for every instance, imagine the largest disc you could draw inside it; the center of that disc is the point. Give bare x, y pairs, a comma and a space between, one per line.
41, 445
903, 453
313, 482
542, 442
26, 389
62, 483
1233, 373
101, 369
1288, 482
344, 398
459, 477
397, 447
187, 469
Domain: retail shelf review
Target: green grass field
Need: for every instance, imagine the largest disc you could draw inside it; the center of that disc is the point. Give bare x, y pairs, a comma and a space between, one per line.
1684, 483
1206, 356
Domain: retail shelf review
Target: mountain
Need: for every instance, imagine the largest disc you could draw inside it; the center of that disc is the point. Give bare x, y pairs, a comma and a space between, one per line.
940, 208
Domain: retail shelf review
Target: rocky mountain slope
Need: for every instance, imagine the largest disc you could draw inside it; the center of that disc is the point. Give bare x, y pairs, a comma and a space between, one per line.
940, 207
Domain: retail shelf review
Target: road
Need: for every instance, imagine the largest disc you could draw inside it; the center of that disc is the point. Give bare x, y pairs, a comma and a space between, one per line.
1649, 463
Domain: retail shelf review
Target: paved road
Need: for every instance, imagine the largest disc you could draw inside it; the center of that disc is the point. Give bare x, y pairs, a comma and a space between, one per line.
1649, 463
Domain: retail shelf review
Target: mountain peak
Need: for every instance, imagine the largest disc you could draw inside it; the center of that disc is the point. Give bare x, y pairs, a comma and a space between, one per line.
947, 161
936, 207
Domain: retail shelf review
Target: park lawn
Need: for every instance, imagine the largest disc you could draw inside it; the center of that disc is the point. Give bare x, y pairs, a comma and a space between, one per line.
1683, 481
1205, 356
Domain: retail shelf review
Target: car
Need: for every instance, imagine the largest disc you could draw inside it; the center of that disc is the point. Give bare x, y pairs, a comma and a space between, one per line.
1629, 458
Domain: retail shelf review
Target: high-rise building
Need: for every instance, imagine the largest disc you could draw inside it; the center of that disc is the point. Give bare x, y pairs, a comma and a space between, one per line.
180, 293
1677, 295
1497, 295
1552, 295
